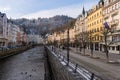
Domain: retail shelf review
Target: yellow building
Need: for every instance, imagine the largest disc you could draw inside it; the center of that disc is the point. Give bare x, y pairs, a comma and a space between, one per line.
95, 25
72, 36
65, 35
61, 37
57, 37
50, 38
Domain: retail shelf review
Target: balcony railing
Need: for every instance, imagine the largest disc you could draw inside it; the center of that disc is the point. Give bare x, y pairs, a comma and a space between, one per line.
106, 16
113, 22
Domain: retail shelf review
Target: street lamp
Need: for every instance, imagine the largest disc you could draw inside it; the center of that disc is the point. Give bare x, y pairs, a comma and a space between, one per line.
68, 46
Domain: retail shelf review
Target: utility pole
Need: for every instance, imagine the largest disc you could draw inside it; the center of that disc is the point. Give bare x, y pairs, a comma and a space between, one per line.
68, 46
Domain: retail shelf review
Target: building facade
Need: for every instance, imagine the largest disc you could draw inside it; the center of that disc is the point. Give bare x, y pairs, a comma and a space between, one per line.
80, 28
3, 29
72, 36
111, 13
33, 39
95, 25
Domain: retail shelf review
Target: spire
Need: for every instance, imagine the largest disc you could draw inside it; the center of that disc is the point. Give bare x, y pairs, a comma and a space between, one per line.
83, 12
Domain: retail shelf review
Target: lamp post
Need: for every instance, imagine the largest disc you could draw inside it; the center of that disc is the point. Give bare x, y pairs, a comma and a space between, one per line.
68, 46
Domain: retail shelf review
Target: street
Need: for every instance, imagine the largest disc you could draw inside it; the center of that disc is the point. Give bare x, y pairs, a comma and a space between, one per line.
28, 65
98, 66
102, 55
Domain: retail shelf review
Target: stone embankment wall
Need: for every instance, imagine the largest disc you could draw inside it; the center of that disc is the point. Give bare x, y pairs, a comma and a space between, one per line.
10, 52
59, 69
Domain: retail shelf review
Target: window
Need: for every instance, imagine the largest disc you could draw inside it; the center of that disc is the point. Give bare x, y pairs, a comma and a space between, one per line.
113, 48
106, 10
106, 3
98, 38
115, 6
109, 48
101, 28
101, 20
100, 12
110, 9
101, 38
117, 48
98, 29
97, 14
118, 4
95, 23
94, 30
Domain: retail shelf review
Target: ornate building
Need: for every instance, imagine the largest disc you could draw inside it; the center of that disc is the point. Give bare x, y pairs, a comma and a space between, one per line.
3, 29
95, 25
111, 13
80, 26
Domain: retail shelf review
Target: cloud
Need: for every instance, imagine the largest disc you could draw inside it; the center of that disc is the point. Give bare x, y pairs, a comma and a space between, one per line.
73, 11
5, 8
49, 13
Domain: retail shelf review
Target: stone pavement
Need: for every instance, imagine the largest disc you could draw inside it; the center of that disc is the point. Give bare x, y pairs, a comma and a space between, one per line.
102, 55
28, 65
98, 66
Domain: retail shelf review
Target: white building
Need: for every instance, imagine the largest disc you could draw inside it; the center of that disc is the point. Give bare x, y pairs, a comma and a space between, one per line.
81, 26
33, 38
9, 35
15, 30
111, 15
12, 33
22, 34
3, 29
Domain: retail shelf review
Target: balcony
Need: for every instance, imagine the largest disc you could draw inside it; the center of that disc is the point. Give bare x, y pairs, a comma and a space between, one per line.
115, 12
114, 22
106, 16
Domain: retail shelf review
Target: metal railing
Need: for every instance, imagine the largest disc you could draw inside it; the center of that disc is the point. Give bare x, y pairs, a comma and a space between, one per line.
76, 68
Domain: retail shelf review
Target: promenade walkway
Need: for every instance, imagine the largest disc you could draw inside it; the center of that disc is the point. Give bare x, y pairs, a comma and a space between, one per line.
99, 66
100, 54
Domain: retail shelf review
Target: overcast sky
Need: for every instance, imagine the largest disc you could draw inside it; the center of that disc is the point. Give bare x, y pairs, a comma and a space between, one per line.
44, 8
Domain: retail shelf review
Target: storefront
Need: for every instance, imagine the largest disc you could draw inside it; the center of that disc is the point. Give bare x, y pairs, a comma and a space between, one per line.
3, 42
113, 48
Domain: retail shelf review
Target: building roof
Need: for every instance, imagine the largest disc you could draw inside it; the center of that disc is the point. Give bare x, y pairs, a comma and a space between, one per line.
2, 14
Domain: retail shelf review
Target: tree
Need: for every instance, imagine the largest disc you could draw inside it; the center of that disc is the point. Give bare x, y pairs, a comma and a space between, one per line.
90, 41
107, 30
83, 38
76, 42
107, 43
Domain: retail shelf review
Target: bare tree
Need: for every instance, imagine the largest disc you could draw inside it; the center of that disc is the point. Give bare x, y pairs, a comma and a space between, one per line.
90, 42
83, 38
107, 42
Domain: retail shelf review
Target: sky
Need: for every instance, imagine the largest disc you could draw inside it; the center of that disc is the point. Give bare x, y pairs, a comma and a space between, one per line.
44, 8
